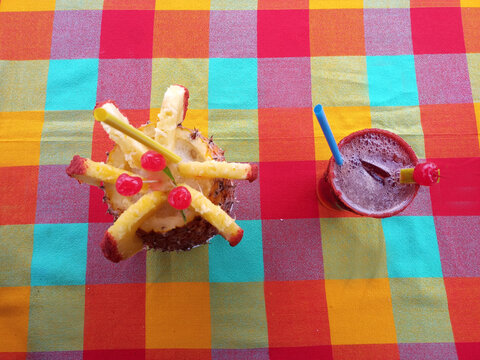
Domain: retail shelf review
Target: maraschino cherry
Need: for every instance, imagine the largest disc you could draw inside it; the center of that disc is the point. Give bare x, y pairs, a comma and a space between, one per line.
127, 185
153, 161
426, 174
180, 198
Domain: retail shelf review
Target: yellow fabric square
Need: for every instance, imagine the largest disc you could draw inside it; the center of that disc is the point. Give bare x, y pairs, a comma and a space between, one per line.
14, 307
27, 5
335, 4
343, 121
20, 136
178, 316
182, 5
360, 311
477, 115
469, 3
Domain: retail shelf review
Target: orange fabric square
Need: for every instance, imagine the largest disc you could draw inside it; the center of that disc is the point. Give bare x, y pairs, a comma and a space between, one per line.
178, 316
18, 194
282, 4
14, 308
366, 352
20, 148
450, 130
128, 4
101, 143
360, 311
25, 35
300, 307
114, 316
286, 134
175, 31
463, 296
337, 32
471, 29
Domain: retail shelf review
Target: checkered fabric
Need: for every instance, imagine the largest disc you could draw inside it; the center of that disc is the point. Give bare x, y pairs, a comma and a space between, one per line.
305, 282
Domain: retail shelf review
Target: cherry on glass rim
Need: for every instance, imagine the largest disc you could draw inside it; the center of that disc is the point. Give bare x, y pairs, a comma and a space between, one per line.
153, 161
127, 185
426, 174
180, 198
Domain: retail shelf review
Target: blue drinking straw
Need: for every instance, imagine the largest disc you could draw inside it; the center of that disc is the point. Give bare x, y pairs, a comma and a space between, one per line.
322, 119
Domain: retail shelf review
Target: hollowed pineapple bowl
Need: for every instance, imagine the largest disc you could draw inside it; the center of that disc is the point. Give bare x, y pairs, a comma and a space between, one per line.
146, 219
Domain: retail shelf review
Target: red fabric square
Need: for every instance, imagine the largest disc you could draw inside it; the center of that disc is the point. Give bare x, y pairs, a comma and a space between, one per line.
450, 130
181, 34
366, 352
437, 30
296, 353
126, 34
13, 356
286, 134
300, 307
114, 316
174, 354
464, 306
458, 192
137, 354
468, 351
283, 33
287, 190
97, 211
18, 195
25, 35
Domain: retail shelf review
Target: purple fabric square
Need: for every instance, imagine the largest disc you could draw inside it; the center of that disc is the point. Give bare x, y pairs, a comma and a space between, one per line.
292, 249
60, 199
103, 271
127, 81
421, 205
388, 32
458, 245
240, 354
430, 351
76, 34
284, 83
56, 355
247, 205
233, 34
443, 79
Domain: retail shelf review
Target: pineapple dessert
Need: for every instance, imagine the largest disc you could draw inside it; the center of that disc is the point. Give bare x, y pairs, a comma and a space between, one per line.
167, 187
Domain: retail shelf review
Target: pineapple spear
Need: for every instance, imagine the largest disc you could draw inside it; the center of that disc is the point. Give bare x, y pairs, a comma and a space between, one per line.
218, 169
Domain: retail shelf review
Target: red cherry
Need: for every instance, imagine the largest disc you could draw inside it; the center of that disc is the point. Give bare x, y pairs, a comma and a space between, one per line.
153, 161
426, 174
180, 198
127, 185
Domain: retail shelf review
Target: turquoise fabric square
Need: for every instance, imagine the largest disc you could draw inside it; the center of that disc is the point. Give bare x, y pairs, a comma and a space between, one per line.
241, 263
59, 254
392, 80
72, 84
412, 247
232, 84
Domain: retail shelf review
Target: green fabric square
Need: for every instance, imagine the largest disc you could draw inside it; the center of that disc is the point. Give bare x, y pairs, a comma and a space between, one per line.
56, 318
386, 4
79, 5
236, 132
233, 5
420, 310
65, 134
474, 71
191, 73
403, 121
238, 315
353, 248
183, 266
340, 81
16, 248
27, 85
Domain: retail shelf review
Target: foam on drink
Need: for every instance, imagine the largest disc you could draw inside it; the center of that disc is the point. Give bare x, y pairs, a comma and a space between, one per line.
368, 180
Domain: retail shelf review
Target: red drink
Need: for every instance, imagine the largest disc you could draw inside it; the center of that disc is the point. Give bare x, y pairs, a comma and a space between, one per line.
368, 181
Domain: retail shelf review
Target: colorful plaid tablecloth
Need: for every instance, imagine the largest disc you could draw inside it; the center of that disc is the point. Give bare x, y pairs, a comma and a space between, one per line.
305, 282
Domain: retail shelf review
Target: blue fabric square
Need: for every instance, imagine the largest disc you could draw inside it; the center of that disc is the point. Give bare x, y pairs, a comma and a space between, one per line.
412, 247
232, 84
59, 254
241, 263
392, 80
72, 84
